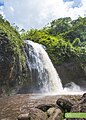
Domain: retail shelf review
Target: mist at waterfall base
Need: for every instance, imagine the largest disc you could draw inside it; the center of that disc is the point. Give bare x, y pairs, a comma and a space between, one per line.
43, 76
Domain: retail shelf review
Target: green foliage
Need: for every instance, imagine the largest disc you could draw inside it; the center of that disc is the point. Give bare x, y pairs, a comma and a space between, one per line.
6, 30
58, 49
40, 37
76, 42
64, 39
78, 30
59, 26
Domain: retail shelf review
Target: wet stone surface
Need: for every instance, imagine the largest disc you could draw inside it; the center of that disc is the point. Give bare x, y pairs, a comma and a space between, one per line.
11, 107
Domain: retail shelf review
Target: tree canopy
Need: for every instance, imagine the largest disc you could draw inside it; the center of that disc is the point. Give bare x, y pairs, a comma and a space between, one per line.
64, 39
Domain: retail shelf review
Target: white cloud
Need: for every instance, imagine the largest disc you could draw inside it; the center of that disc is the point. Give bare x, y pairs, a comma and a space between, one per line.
37, 13
11, 8
78, 11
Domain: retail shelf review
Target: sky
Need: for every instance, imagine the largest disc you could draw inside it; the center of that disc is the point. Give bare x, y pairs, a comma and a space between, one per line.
29, 14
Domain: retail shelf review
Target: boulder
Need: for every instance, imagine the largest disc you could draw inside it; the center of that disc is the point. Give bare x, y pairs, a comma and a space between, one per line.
45, 107
65, 105
37, 114
79, 107
84, 95
50, 111
34, 114
54, 114
23, 116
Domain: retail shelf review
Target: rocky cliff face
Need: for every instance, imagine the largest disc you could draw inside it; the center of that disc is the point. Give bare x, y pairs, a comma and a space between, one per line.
72, 72
13, 74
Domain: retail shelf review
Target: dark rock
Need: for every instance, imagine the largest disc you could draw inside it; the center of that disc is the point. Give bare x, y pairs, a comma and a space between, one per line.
65, 105
14, 75
84, 95
80, 107
83, 103
67, 73
45, 107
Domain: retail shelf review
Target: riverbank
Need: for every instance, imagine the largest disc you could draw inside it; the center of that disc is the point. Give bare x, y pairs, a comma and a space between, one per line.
12, 106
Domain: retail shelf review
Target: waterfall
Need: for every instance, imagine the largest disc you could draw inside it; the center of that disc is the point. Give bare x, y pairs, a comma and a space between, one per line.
44, 77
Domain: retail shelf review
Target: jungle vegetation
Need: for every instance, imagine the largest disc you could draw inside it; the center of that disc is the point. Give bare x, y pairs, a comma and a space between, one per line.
64, 38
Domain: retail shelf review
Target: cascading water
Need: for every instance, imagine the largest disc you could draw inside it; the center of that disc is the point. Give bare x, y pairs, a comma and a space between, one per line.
43, 74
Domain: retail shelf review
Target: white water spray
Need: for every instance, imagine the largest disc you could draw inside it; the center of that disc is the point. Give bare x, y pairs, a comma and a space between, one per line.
71, 89
39, 62
44, 77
